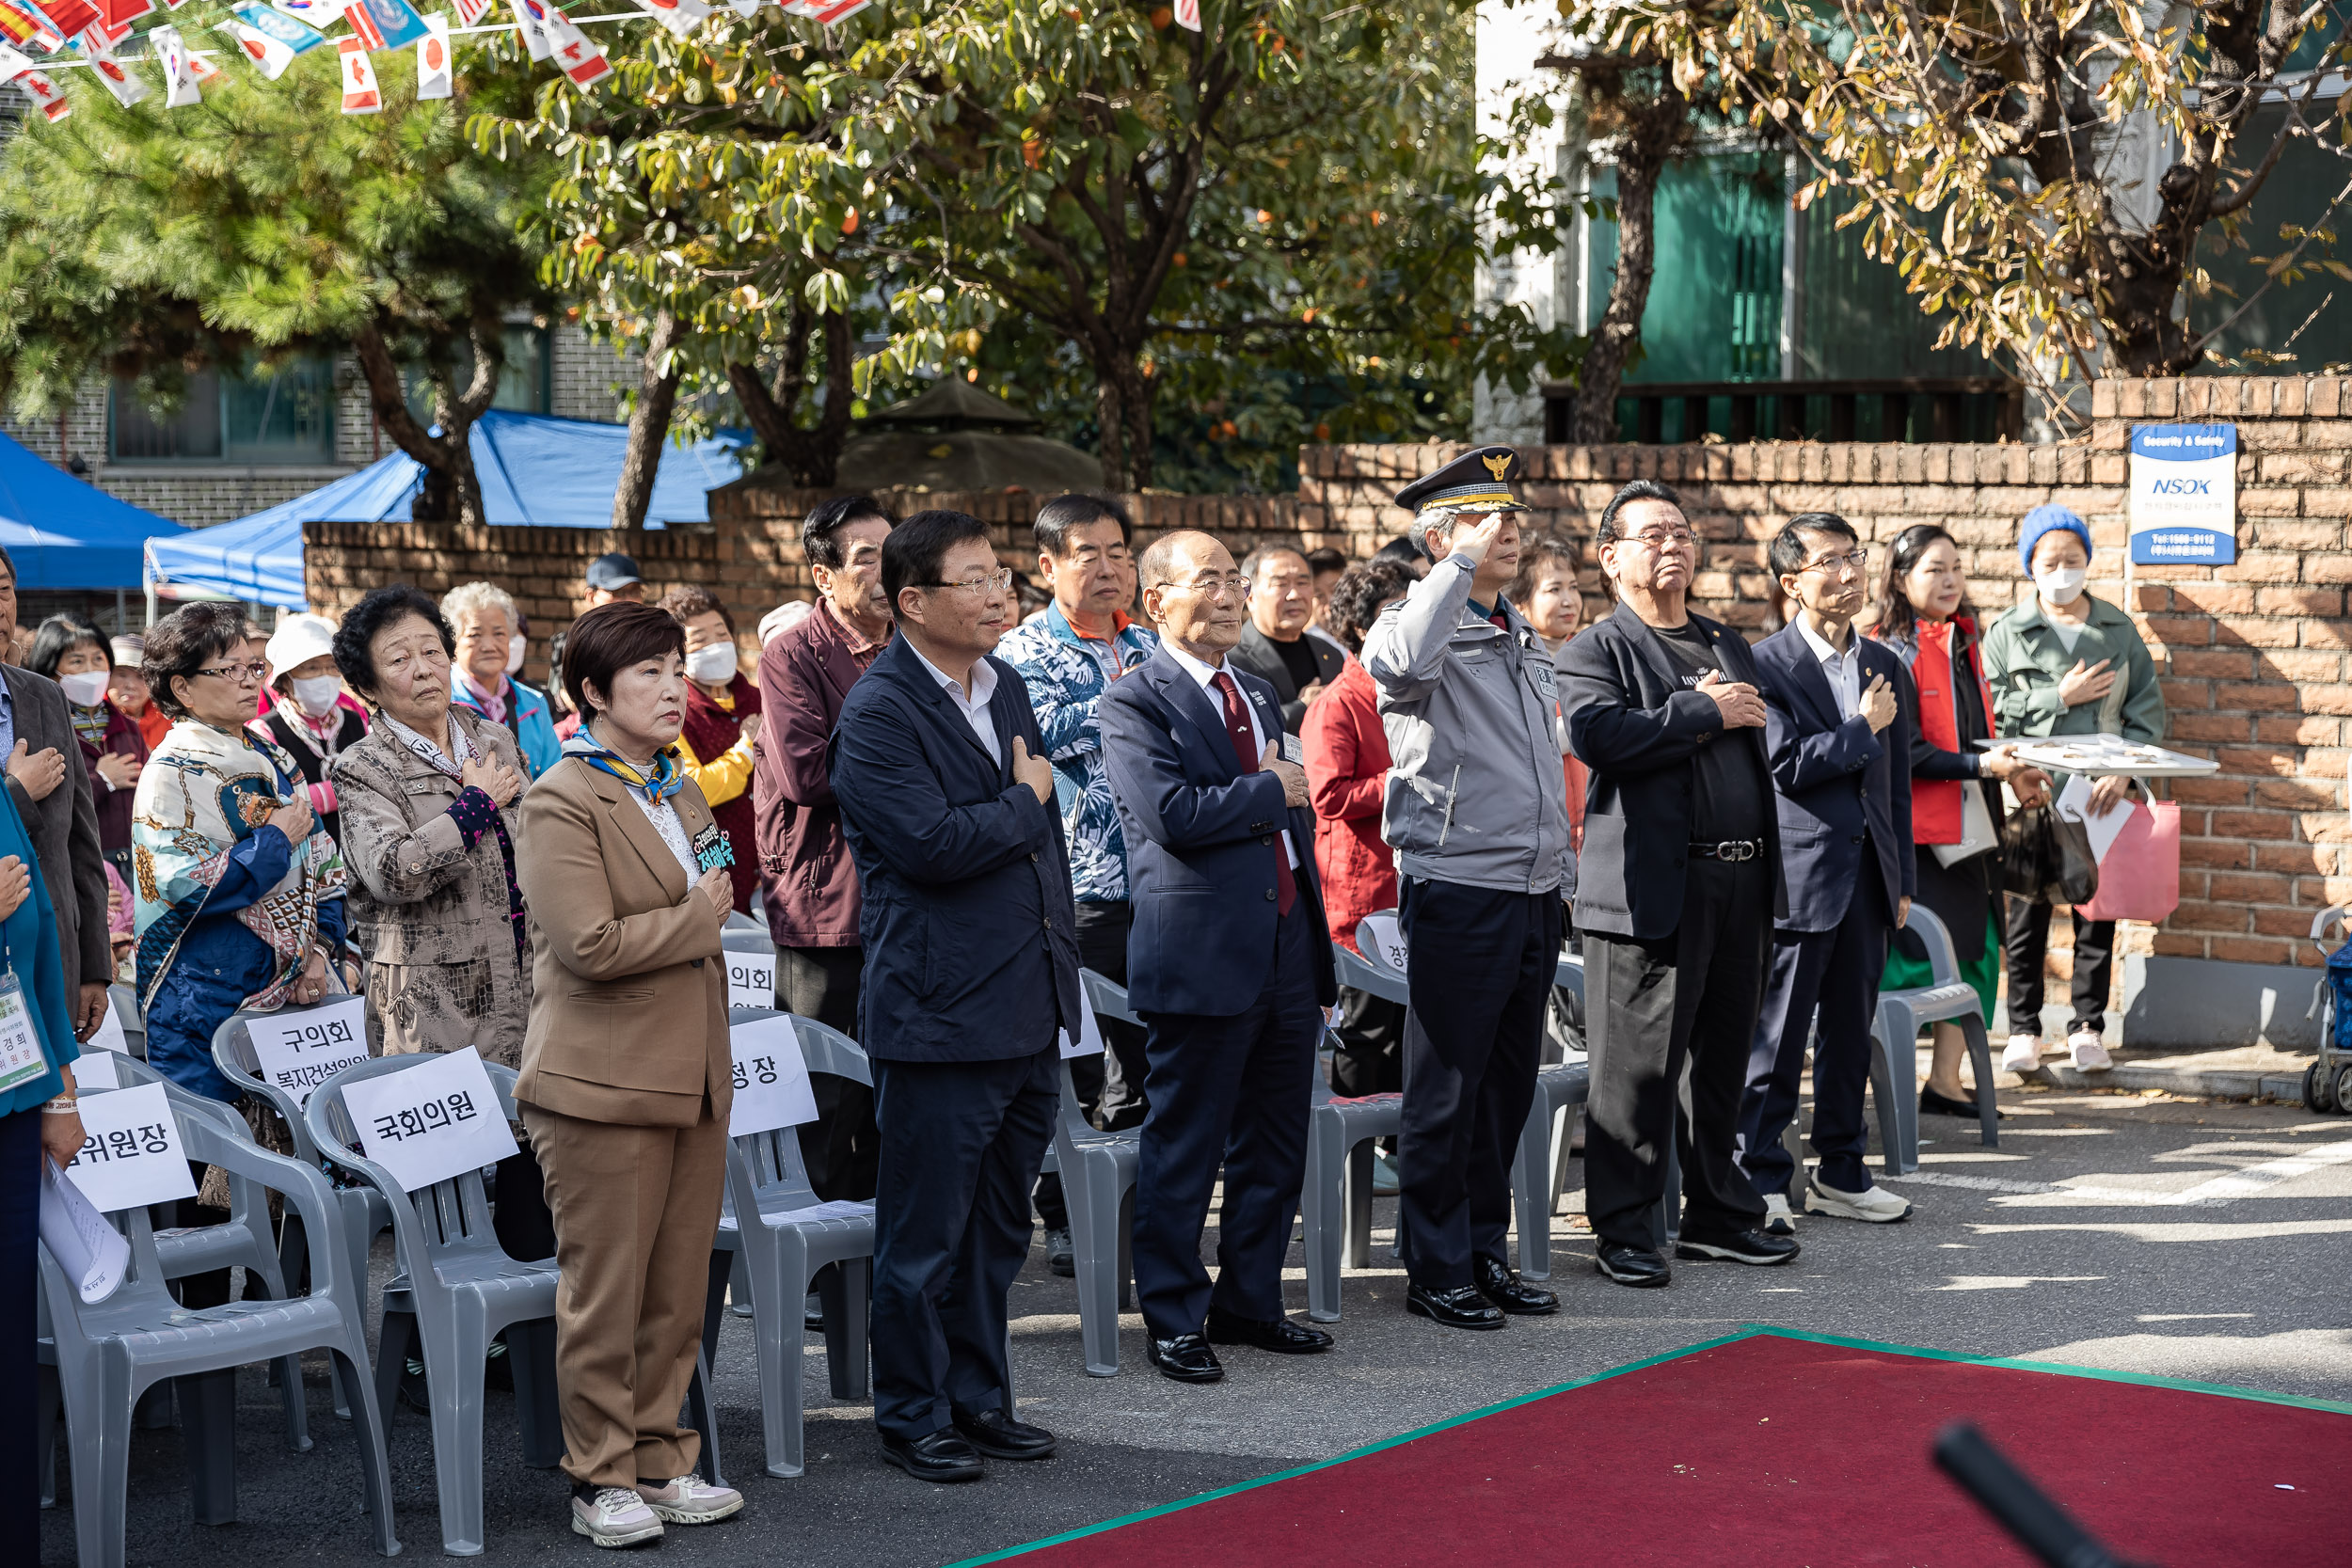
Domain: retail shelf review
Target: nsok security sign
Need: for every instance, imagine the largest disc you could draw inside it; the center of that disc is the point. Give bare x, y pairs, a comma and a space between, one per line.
2184, 494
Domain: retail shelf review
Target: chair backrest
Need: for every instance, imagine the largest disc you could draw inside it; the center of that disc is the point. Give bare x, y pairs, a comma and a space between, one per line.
1364, 974
241, 1064
738, 921
444, 1220
125, 1002
131, 1072
1943, 960
1107, 997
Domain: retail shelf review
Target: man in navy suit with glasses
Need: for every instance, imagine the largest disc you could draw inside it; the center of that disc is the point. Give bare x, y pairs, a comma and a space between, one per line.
1228, 965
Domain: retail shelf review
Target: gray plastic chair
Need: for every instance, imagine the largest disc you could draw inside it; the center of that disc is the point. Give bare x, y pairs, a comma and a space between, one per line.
1335, 1203
108, 1353
1098, 1181
782, 1252
738, 921
1895, 1033
364, 1212
457, 1287
242, 1241
126, 1005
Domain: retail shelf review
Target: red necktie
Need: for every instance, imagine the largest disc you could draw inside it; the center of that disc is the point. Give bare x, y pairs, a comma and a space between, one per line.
1245, 742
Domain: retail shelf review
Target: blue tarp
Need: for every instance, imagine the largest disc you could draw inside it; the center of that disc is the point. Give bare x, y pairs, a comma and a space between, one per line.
535, 471
64, 533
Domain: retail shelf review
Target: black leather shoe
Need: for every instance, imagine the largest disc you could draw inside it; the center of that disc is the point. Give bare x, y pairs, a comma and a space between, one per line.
1934, 1104
1503, 1285
1463, 1306
1627, 1264
1187, 1358
999, 1436
1280, 1336
941, 1456
1740, 1247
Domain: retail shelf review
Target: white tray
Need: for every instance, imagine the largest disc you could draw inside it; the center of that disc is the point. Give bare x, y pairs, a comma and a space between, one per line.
2099, 755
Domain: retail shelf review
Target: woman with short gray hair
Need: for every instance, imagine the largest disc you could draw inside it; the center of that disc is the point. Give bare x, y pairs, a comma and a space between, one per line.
487, 653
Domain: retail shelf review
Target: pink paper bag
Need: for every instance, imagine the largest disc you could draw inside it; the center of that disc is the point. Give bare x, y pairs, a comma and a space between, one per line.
2139, 877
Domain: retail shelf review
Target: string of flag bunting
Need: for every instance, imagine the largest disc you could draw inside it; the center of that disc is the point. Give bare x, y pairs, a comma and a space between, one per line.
270, 33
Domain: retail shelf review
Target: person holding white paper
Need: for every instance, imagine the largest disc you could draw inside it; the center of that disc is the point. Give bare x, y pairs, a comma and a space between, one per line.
38, 1121
1925, 616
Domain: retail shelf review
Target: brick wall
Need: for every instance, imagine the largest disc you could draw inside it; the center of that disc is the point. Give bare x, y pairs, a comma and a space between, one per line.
2252, 654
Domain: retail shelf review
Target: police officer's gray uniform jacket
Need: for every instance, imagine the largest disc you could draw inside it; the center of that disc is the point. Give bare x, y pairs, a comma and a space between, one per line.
1476, 794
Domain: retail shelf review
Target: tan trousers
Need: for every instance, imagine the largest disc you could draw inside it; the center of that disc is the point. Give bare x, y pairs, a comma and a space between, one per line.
635, 1210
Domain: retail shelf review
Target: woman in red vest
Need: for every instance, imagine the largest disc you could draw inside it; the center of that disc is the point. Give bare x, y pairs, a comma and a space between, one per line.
1925, 617
722, 720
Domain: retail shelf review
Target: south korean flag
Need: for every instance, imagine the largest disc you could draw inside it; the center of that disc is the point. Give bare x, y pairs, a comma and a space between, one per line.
531, 19
179, 67
680, 16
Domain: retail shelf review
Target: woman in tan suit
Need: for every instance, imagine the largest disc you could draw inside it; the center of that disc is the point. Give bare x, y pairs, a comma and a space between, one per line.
626, 1077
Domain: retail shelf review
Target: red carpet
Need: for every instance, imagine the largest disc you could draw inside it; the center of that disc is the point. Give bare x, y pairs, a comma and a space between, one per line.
1778, 1450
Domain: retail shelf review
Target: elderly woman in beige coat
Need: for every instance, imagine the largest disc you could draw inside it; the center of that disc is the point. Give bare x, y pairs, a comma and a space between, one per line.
432, 836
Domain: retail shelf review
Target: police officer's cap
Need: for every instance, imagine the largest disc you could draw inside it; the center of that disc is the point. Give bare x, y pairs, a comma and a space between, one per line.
1478, 481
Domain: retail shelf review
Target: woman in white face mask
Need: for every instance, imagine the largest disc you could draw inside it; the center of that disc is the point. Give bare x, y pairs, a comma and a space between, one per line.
2066, 662
721, 722
310, 716
71, 653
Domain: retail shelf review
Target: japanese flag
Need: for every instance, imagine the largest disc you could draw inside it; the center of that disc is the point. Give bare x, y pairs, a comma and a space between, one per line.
680, 16
471, 11
45, 93
127, 88
1188, 14
582, 60
433, 78
171, 53
270, 55
531, 19
359, 94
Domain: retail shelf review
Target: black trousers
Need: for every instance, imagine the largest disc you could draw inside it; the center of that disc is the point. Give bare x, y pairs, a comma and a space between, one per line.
1231, 1089
1837, 971
960, 1145
841, 1147
1480, 965
1110, 1087
1654, 1010
2028, 944
1370, 1058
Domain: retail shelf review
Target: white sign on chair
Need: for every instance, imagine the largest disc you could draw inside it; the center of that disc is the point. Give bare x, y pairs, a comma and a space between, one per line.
751, 979
1382, 932
430, 1121
109, 1036
300, 1050
131, 1151
1090, 1041
772, 1087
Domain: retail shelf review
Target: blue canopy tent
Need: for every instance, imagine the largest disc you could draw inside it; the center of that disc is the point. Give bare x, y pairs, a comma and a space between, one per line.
64, 533
537, 472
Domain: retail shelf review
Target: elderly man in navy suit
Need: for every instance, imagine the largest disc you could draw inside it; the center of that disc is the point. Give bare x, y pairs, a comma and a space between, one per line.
971, 971
1228, 965
1837, 708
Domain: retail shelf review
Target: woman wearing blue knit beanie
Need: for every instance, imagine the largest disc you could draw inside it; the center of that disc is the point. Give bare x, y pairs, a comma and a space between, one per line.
2066, 662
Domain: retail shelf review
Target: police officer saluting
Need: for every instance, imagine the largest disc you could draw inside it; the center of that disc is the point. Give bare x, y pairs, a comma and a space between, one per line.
1475, 814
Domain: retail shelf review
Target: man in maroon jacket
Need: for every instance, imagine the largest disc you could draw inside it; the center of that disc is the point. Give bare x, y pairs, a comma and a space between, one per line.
808, 884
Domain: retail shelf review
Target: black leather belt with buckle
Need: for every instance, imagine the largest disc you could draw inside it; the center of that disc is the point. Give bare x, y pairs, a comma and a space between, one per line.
1729, 850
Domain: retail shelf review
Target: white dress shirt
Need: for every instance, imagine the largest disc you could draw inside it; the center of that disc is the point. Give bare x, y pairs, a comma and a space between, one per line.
973, 704
1206, 674
1842, 671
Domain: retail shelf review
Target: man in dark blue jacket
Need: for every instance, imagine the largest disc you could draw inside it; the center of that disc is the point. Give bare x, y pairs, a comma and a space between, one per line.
971, 970
1228, 965
1843, 781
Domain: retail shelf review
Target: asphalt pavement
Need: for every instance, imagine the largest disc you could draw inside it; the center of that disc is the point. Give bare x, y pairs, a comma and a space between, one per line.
2185, 1239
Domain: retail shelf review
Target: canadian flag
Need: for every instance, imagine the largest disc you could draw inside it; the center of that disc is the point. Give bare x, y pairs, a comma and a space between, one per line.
205, 71
531, 19
433, 77
680, 16
171, 53
127, 88
45, 93
582, 60
270, 55
359, 94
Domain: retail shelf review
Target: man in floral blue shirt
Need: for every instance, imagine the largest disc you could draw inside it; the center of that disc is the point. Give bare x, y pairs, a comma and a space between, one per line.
1068, 657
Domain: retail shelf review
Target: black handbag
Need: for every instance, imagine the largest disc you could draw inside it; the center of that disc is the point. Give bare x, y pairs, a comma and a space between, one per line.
2047, 858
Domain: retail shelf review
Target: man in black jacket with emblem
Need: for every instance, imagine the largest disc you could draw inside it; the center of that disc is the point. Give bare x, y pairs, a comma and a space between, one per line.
1678, 885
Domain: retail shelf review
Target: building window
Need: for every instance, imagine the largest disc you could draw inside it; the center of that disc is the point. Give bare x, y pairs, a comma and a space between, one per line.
526, 380
286, 418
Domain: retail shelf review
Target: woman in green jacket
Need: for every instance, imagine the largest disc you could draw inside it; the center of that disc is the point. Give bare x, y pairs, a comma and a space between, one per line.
2066, 662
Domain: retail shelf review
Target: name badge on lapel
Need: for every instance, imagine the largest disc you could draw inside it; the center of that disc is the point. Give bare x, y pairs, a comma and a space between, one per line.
712, 849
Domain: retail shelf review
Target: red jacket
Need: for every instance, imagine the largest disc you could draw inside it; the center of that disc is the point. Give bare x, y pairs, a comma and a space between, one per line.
808, 882
1935, 804
1347, 771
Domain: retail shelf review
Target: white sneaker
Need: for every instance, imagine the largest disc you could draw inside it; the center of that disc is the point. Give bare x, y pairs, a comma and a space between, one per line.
2023, 1053
2090, 1051
1873, 1205
1779, 1219
692, 1500
617, 1516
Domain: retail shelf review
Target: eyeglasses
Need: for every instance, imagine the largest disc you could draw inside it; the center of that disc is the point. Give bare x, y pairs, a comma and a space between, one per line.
1228, 585
999, 581
1658, 539
1859, 559
241, 674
